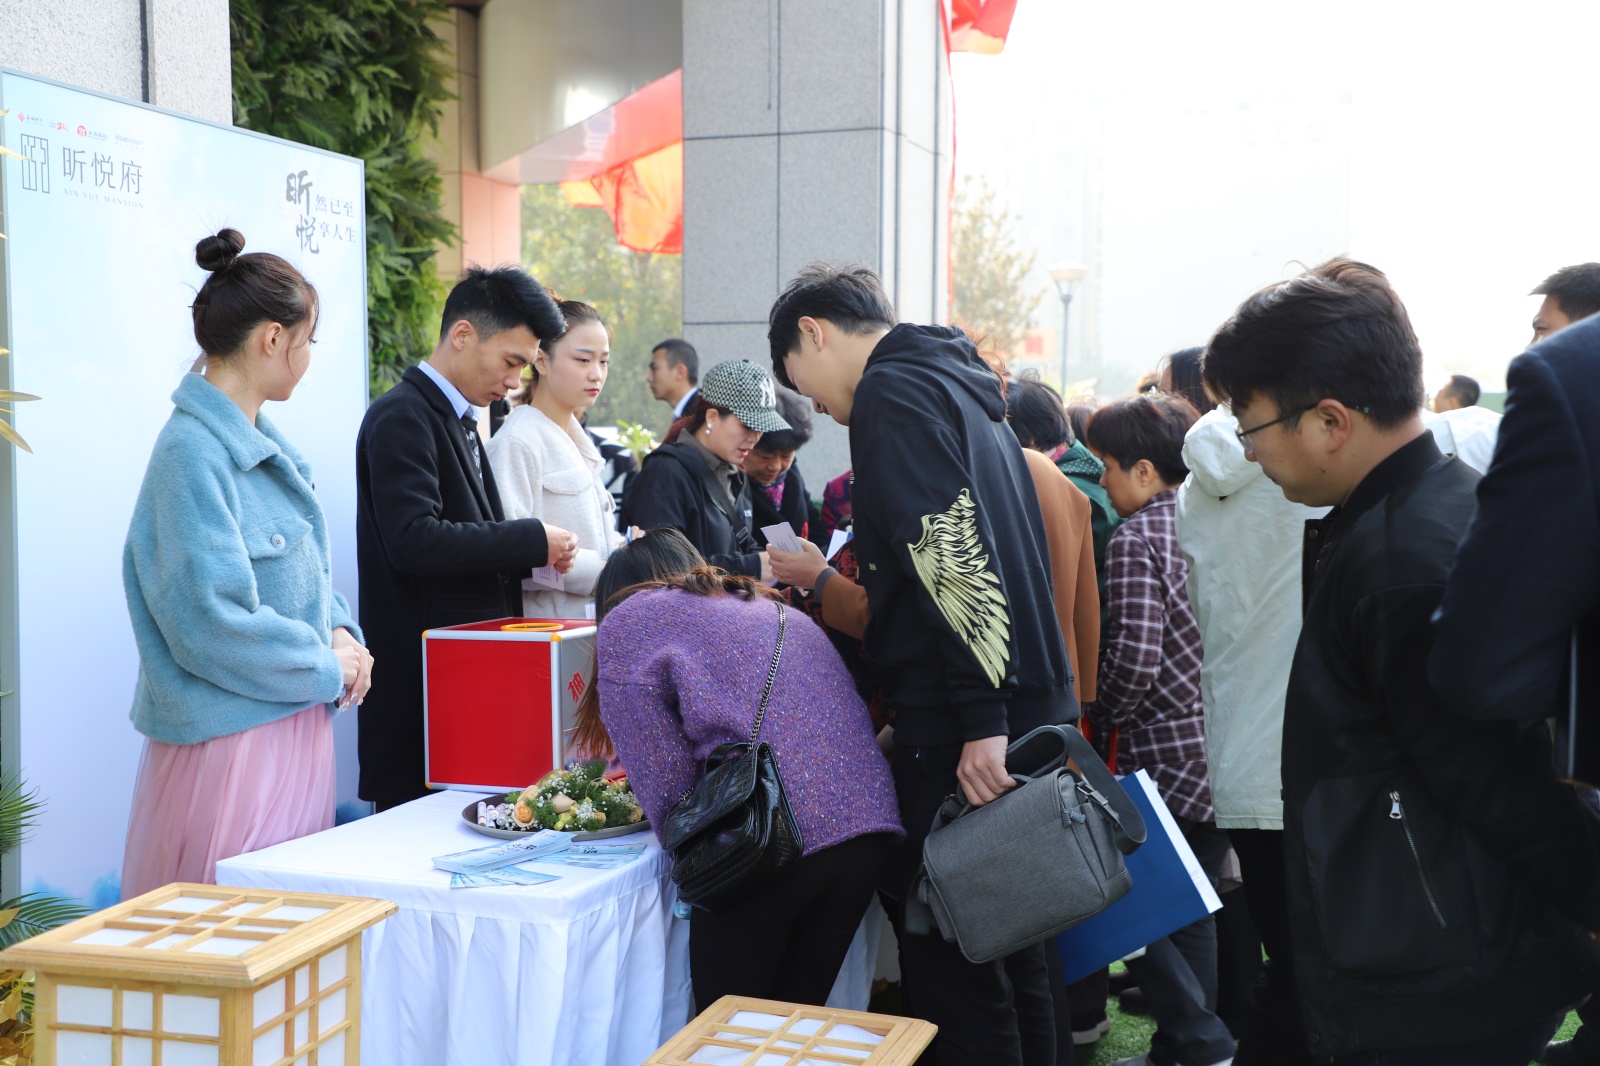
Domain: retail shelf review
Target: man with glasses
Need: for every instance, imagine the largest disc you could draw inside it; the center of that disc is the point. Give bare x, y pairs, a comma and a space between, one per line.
1437, 875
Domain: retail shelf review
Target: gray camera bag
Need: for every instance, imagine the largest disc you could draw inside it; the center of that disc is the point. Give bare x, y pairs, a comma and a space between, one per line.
1041, 858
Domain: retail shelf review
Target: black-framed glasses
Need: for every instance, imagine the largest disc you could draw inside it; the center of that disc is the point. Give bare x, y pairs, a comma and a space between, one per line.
1244, 435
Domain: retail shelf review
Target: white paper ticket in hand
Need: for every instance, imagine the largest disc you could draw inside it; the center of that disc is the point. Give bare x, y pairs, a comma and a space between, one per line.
546, 577
781, 536
840, 538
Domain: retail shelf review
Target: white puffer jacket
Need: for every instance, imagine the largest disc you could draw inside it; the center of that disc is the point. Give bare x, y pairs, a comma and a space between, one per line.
1242, 540
1469, 434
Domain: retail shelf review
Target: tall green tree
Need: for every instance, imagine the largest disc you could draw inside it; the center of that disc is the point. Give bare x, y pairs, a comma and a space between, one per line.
991, 293
366, 78
573, 251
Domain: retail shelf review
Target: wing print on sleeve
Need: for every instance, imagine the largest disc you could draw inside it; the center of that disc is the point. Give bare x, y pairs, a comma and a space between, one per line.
954, 568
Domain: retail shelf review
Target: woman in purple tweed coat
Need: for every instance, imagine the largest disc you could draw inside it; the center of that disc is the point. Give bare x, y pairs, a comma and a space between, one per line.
682, 657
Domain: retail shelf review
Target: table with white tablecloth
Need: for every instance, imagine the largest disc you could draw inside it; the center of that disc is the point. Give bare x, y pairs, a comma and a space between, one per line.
588, 970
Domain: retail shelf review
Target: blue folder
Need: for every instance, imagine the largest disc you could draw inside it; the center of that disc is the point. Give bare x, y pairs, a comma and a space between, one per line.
1169, 892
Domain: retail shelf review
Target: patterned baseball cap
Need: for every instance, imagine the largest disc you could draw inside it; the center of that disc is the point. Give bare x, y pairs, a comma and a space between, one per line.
748, 391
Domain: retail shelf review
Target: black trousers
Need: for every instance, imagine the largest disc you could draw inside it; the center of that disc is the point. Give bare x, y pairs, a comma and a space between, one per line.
1238, 958
1273, 1033
997, 1013
786, 940
1065, 997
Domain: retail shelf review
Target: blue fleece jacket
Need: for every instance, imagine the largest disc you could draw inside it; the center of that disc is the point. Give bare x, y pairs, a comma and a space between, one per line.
227, 570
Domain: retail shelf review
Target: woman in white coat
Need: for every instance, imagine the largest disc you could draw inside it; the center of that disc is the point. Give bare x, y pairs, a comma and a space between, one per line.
548, 468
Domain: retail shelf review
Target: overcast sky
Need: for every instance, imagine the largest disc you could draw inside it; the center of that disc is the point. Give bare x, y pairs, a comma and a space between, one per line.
1191, 153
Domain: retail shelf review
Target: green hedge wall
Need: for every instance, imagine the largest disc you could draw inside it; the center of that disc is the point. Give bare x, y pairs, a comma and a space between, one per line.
365, 78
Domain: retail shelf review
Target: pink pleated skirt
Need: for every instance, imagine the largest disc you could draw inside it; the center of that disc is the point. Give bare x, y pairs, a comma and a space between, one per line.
194, 804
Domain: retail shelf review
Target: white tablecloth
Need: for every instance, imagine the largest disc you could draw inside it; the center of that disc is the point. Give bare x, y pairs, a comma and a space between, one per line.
590, 970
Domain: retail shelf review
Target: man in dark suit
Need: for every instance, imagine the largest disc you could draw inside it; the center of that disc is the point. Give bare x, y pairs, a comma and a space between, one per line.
1520, 622
1528, 573
432, 543
674, 375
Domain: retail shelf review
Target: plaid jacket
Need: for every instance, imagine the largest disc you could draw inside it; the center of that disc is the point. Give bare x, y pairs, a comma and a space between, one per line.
1150, 665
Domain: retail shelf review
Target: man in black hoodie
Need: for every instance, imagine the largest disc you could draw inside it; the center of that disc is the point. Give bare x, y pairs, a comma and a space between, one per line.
963, 638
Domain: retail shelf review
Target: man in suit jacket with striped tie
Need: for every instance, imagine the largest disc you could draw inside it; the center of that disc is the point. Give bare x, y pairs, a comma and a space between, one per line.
433, 545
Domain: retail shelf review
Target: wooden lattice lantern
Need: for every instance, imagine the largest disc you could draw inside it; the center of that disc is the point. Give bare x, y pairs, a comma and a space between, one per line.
201, 975
735, 1031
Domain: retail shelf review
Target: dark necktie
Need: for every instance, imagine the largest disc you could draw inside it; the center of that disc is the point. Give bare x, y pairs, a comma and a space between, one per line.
470, 426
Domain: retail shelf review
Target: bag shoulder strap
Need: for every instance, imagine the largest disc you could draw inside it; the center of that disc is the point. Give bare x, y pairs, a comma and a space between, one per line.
1098, 785
772, 673
723, 750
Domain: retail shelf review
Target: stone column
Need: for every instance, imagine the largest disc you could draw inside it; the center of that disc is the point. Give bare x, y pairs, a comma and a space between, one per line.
190, 58
172, 53
487, 213
813, 129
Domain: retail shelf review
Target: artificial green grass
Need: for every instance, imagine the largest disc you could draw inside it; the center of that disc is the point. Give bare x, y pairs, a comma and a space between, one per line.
1568, 1027
1129, 1036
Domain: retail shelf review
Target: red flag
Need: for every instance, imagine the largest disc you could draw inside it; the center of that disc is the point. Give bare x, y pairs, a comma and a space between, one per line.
644, 198
638, 177
980, 25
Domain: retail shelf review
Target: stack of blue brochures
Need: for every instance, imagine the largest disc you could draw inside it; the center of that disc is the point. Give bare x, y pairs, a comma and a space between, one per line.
507, 864
495, 864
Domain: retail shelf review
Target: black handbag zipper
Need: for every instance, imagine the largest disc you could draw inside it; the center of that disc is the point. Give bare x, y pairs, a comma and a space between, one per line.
1398, 813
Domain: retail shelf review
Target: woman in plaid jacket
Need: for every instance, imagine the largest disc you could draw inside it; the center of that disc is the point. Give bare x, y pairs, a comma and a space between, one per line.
1149, 688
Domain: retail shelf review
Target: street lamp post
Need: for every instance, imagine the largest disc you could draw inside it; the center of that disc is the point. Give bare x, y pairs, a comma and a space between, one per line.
1066, 274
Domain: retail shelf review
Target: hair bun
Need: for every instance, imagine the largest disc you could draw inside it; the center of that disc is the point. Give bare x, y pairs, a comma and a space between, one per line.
544, 313
218, 252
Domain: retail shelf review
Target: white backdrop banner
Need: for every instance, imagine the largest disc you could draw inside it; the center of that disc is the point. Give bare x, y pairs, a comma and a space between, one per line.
102, 215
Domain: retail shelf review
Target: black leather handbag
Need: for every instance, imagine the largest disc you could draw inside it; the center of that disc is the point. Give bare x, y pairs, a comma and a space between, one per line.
734, 829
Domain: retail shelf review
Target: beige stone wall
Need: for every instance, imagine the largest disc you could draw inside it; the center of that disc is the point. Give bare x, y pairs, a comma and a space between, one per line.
488, 213
173, 53
191, 69
97, 44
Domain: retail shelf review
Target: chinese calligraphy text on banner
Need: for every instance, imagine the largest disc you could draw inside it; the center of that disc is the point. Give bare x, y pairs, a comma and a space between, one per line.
102, 214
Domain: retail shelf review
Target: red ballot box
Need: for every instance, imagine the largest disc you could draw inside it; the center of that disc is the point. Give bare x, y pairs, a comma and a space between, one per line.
499, 699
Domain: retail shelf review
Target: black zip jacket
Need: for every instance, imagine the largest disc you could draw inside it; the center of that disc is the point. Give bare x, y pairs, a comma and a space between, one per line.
1436, 869
675, 488
963, 637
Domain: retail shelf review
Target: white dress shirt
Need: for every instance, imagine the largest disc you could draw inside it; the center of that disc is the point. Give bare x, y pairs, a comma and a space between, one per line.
683, 404
457, 401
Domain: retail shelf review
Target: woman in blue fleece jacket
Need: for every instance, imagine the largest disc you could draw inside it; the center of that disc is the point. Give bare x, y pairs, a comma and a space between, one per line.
245, 649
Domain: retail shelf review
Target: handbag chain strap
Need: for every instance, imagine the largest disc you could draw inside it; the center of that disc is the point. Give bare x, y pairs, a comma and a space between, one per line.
772, 673
766, 693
